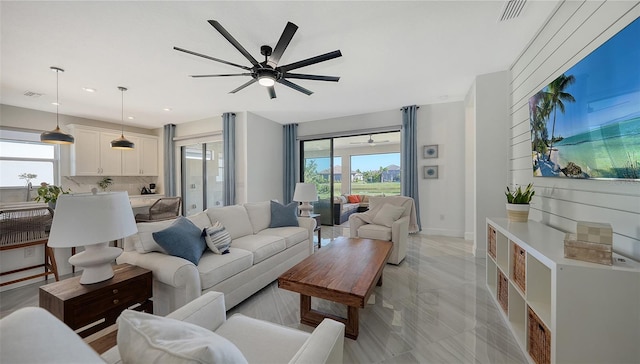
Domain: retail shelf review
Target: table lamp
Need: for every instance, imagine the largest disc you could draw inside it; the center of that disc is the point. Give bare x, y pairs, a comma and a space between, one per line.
305, 193
92, 220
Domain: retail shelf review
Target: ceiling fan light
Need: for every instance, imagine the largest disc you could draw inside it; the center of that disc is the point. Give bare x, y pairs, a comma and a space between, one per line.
266, 81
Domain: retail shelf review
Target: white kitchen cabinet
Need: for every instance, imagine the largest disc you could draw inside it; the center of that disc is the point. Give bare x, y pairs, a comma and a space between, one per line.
92, 155
587, 312
143, 160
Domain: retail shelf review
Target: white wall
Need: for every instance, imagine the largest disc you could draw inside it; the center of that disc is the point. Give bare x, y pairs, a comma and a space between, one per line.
264, 163
487, 134
572, 32
441, 200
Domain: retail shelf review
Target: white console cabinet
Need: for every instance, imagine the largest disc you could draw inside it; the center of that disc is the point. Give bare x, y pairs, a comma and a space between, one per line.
578, 312
92, 155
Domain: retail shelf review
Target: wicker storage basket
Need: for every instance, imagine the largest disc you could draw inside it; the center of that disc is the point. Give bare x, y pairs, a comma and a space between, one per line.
491, 238
539, 344
503, 291
519, 267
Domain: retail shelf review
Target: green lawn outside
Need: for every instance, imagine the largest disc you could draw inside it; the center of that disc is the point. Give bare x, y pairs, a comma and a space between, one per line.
372, 189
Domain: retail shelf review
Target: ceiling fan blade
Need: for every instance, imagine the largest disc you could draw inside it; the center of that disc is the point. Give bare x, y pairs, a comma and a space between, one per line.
272, 92
253, 80
283, 42
311, 77
310, 61
211, 58
233, 41
294, 86
225, 75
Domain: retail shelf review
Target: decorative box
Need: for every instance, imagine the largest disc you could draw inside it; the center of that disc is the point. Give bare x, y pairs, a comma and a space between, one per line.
595, 232
587, 251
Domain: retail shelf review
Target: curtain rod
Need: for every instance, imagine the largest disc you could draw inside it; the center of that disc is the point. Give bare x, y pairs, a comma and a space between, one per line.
402, 108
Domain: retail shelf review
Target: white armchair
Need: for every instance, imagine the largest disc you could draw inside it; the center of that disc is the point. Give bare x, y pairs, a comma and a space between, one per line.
389, 218
33, 335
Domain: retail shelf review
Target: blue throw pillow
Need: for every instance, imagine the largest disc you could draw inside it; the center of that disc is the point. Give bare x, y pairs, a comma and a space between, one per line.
282, 215
182, 239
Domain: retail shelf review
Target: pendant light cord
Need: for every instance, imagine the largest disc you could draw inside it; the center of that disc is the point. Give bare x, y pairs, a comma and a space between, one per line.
57, 101
122, 115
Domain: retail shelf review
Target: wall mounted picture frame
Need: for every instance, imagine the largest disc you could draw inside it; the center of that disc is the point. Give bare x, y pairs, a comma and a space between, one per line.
430, 172
430, 151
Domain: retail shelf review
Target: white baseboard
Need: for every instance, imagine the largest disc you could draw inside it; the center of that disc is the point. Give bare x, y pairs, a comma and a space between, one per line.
443, 232
469, 235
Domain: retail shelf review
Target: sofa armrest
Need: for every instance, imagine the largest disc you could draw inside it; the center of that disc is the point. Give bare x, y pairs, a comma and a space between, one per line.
309, 224
325, 345
170, 270
400, 230
355, 221
207, 311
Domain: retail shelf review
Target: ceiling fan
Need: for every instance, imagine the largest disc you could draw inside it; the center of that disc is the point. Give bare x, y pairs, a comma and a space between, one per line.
267, 73
371, 142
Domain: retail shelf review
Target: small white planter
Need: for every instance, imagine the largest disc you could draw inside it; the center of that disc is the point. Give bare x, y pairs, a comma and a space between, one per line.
517, 212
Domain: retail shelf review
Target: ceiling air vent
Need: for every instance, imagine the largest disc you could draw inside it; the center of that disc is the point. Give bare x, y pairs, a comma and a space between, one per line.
32, 94
511, 9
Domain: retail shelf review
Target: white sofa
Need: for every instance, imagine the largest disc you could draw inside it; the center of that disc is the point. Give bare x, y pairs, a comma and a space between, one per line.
33, 335
258, 255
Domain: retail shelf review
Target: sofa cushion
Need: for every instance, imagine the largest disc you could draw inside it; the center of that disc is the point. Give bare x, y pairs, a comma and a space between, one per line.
214, 268
217, 238
283, 215
234, 218
201, 220
261, 341
388, 214
146, 338
262, 246
372, 231
259, 215
182, 239
292, 234
353, 198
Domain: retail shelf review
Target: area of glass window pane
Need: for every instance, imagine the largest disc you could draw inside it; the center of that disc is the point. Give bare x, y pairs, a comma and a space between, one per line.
12, 169
10, 149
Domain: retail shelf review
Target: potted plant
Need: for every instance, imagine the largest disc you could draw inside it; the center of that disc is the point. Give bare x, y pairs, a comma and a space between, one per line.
518, 203
105, 183
49, 194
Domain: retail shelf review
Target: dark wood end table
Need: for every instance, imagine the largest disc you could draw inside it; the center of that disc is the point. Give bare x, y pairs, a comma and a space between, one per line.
93, 307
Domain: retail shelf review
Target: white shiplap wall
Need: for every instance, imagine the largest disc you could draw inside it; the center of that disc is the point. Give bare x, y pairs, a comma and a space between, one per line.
574, 30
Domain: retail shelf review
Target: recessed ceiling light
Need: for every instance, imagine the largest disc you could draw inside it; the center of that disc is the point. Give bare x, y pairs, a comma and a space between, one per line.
167, 109
55, 103
130, 117
89, 89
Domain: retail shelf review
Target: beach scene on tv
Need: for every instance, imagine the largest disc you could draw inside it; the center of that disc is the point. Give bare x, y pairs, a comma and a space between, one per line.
586, 123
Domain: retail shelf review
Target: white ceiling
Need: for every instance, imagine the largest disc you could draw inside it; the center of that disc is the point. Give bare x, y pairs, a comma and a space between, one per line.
394, 54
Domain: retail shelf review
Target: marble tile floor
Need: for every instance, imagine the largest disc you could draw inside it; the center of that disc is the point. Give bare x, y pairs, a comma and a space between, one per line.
432, 308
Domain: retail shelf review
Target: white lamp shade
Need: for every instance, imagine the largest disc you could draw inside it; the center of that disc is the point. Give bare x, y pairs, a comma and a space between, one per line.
305, 192
87, 218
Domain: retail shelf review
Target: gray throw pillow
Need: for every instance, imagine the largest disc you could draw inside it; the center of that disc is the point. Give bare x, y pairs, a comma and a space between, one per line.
282, 215
182, 239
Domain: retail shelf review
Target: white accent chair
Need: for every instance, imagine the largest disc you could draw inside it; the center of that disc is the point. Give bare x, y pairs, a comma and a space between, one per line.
33, 335
383, 224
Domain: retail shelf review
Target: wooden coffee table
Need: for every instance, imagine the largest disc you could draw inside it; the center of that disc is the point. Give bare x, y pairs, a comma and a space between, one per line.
345, 272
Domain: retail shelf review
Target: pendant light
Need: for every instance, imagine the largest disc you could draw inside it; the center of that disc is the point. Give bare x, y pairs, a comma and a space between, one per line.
122, 142
56, 136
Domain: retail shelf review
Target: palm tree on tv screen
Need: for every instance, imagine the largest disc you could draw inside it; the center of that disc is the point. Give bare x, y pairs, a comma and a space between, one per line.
556, 98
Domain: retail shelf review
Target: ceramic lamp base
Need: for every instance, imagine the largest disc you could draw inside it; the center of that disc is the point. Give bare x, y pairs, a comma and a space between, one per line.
305, 209
95, 262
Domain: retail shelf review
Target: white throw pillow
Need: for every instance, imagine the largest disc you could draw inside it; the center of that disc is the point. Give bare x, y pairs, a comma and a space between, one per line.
145, 338
217, 238
388, 214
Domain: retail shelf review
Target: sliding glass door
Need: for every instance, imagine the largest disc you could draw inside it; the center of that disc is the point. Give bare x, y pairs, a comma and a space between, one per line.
202, 176
317, 164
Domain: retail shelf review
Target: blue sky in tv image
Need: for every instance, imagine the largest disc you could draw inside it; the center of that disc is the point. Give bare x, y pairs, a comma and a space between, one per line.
600, 130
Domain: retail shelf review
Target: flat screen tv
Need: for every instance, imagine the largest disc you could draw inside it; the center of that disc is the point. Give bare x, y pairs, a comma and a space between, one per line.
586, 123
